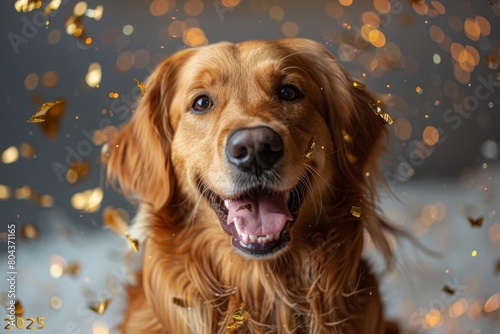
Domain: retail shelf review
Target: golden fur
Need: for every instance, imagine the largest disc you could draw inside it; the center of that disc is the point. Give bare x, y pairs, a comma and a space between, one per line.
192, 280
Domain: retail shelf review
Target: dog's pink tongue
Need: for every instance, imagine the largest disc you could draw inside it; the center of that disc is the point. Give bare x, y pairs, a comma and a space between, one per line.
260, 215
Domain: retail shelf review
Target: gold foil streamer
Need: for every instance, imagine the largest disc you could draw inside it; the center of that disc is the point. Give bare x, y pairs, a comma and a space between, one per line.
134, 243
382, 114
39, 115
239, 317
356, 211
141, 86
358, 85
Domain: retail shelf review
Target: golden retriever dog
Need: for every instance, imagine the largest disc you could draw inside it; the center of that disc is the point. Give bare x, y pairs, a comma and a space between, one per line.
255, 166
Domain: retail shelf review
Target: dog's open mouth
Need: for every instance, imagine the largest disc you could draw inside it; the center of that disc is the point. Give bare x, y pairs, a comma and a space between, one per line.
259, 220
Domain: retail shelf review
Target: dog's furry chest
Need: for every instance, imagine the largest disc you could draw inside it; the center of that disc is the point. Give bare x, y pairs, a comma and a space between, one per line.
197, 292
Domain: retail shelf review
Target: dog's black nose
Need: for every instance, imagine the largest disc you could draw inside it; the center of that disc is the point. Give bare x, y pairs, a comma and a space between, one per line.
254, 149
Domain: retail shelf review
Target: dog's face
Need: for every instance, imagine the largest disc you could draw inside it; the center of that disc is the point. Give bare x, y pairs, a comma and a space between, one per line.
255, 130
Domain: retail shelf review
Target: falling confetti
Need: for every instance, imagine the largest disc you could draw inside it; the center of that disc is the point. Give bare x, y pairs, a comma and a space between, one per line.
239, 317
245, 206
310, 149
88, 200
134, 243
476, 222
100, 307
29, 232
53, 5
141, 86
39, 115
351, 157
26, 193
27, 5
358, 85
382, 114
356, 211
347, 137
10, 155
74, 26
179, 302
72, 269
449, 290
77, 172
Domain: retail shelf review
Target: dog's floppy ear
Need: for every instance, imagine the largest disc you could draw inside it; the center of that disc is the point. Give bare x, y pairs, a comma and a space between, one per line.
139, 156
358, 133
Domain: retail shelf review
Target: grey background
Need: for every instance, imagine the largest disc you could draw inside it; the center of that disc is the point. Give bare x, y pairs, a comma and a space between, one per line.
437, 174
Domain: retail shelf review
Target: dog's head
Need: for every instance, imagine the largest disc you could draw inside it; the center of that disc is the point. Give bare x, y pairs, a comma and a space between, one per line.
267, 132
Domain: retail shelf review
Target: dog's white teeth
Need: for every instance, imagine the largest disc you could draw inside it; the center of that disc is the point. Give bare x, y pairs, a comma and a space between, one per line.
226, 203
244, 237
253, 238
269, 236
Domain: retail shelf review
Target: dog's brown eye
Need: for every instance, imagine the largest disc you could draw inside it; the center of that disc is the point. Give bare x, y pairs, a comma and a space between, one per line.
289, 93
202, 103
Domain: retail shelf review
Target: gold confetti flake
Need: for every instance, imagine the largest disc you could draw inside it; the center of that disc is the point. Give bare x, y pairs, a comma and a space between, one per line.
239, 317
72, 269
27, 5
26, 193
356, 211
29, 232
5, 301
449, 290
100, 307
39, 115
141, 86
347, 137
88, 200
310, 149
358, 85
476, 222
351, 157
386, 118
10, 155
52, 6
179, 302
74, 26
245, 206
27, 151
94, 75
134, 243
492, 61
5, 192
77, 172
18, 308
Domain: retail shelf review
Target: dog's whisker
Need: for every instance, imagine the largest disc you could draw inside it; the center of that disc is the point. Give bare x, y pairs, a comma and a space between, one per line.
297, 68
